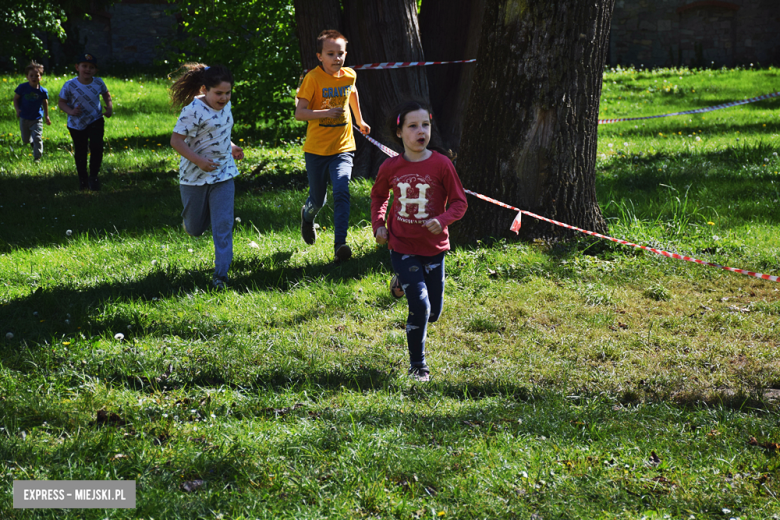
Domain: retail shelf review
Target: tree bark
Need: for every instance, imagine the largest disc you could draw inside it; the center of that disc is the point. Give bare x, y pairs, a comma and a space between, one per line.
450, 30
311, 18
378, 31
533, 117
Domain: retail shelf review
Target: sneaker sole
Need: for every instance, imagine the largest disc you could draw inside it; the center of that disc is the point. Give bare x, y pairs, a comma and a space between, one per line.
343, 253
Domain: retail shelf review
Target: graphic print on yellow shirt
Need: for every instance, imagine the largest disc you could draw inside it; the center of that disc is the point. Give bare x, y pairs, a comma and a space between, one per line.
329, 135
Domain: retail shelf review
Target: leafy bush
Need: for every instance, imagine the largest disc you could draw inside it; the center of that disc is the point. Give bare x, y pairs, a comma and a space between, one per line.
256, 40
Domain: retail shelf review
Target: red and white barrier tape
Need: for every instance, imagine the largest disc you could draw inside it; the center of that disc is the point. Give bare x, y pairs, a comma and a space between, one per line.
516, 227
697, 111
401, 64
388, 151
517, 222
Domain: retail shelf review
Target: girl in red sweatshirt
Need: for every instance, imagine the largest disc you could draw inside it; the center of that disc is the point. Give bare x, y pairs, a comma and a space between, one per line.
427, 197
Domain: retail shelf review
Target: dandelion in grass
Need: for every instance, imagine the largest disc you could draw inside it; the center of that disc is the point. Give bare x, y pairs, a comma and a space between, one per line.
69, 232
710, 223
119, 336
9, 336
190, 250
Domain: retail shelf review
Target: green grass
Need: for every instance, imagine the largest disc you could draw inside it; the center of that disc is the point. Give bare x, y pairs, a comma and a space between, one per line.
559, 370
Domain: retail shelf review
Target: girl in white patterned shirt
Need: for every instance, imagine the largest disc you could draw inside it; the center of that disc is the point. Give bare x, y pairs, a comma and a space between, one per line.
207, 167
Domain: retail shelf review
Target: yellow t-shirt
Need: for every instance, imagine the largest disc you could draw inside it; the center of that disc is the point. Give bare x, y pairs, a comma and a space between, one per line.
328, 136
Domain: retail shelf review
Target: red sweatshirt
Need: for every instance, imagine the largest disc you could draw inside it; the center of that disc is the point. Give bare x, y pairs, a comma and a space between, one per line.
421, 191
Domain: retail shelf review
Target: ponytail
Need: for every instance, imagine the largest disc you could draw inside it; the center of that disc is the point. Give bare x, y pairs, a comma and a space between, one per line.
195, 76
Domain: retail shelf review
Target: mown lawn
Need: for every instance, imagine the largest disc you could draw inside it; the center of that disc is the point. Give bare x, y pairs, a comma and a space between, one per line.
579, 380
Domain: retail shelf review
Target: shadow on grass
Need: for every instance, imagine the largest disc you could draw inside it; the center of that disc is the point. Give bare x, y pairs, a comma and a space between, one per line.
41, 315
39, 210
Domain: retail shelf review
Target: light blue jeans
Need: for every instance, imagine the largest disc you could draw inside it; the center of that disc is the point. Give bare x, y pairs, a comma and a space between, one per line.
211, 204
32, 132
339, 168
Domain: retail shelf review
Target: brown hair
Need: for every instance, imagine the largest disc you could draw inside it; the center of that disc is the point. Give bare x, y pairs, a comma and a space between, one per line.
329, 34
34, 65
197, 75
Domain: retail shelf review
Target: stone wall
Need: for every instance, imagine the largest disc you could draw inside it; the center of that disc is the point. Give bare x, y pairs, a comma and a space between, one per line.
696, 33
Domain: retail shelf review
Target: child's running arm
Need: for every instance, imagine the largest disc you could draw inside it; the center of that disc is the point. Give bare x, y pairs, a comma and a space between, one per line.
303, 113
109, 104
17, 99
380, 195
204, 163
63, 104
354, 104
45, 105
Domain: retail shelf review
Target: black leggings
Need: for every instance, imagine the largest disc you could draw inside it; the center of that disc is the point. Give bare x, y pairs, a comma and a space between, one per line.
91, 138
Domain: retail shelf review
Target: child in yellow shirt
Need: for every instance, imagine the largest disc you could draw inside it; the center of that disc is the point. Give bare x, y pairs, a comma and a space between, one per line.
324, 99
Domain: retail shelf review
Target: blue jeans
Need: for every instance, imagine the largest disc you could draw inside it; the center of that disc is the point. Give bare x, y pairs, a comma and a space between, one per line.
339, 167
211, 204
422, 278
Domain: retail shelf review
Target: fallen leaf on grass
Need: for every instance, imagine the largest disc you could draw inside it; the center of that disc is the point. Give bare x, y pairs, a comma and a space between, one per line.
105, 418
655, 460
192, 485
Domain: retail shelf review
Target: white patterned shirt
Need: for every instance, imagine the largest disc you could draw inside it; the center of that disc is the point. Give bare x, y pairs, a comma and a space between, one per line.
85, 96
207, 132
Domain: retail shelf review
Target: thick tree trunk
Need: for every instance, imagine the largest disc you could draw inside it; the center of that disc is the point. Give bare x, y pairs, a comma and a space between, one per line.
383, 30
450, 30
532, 118
311, 18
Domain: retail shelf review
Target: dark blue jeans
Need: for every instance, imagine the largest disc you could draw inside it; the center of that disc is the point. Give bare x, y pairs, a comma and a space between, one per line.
339, 168
422, 278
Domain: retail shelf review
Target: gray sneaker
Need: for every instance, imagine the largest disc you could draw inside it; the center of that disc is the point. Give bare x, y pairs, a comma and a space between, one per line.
219, 284
343, 252
308, 232
396, 289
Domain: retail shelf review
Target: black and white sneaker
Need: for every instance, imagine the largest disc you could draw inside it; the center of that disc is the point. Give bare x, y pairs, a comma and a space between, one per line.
421, 374
308, 233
